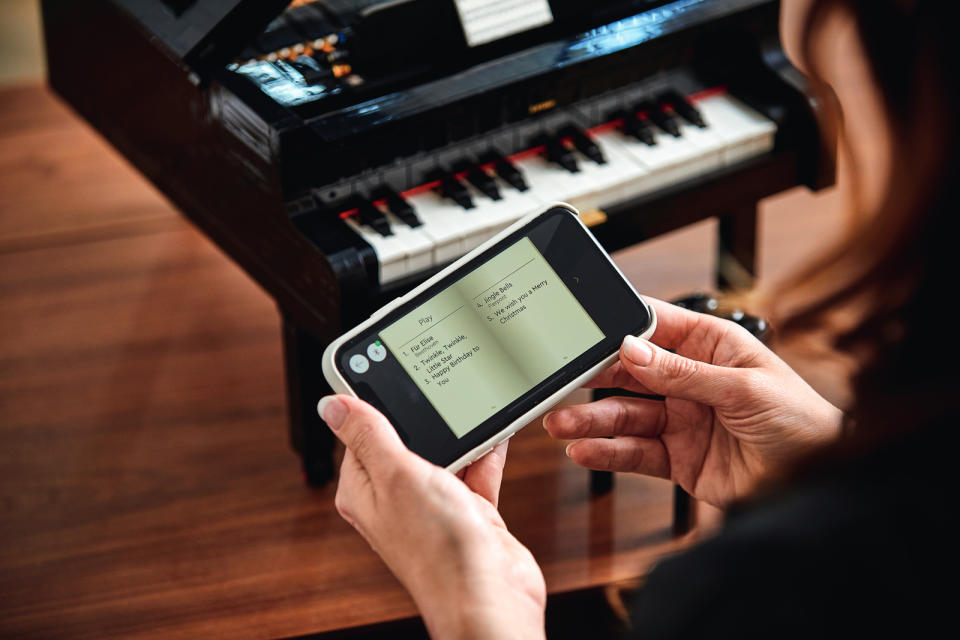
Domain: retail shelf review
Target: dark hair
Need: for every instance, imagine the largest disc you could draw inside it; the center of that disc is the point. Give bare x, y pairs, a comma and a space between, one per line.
882, 294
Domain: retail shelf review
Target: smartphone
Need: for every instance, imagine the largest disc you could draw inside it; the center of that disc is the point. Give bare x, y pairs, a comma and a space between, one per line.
470, 356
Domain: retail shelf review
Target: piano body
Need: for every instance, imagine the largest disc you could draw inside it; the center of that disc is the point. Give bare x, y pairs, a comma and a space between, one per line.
341, 151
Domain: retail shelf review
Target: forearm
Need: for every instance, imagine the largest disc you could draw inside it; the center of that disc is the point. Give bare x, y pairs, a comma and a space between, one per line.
474, 617
484, 595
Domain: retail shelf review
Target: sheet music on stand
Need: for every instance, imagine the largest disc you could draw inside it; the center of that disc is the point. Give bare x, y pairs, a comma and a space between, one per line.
488, 20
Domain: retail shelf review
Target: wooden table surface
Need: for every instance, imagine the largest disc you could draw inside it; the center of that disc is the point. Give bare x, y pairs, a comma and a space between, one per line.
147, 488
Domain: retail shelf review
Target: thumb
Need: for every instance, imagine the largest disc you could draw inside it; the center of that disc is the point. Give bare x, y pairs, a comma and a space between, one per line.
676, 376
364, 431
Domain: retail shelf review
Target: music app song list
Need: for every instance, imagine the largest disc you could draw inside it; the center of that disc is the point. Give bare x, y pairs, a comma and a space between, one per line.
493, 335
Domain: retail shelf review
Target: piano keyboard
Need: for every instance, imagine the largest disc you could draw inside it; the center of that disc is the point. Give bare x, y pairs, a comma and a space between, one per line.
590, 170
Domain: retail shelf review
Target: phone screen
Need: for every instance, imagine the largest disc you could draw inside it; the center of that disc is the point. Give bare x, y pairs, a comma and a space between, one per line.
489, 342
491, 336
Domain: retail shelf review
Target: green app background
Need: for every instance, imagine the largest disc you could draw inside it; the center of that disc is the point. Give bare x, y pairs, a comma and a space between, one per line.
491, 336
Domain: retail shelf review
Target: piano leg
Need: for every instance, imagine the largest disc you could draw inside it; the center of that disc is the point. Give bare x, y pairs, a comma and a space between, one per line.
737, 249
684, 511
736, 268
601, 482
309, 435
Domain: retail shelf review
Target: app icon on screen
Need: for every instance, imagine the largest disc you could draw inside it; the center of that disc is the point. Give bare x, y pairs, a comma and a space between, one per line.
377, 352
359, 363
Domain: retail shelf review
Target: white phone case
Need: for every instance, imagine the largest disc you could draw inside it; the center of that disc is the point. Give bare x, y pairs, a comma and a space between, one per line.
340, 385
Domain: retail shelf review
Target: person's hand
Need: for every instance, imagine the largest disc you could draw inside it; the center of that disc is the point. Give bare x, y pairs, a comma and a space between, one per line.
440, 534
733, 412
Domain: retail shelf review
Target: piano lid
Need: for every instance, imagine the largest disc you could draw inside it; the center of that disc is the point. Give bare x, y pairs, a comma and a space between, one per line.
205, 34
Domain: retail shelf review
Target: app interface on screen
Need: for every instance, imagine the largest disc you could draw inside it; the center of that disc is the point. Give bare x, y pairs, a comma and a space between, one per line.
491, 336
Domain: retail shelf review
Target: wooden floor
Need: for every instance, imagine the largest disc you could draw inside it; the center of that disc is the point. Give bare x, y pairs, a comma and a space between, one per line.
146, 484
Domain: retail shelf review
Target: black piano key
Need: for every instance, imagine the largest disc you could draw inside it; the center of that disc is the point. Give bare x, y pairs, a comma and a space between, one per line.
660, 118
684, 108
371, 216
583, 143
452, 188
639, 128
559, 153
398, 206
506, 171
481, 180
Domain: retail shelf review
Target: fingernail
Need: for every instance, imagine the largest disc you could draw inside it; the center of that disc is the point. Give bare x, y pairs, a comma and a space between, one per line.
333, 411
549, 416
637, 351
569, 446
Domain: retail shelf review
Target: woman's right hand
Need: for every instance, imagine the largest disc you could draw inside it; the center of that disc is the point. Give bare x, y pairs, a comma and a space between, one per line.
733, 411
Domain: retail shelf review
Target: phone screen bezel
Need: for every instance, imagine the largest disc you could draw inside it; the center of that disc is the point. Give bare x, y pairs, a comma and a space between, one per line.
587, 271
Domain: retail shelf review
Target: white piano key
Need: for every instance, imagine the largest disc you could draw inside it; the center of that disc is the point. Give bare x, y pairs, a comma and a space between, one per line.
391, 251
595, 185
710, 144
418, 245
601, 184
745, 132
442, 220
673, 159
454, 230
734, 131
479, 226
548, 182
613, 181
512, 206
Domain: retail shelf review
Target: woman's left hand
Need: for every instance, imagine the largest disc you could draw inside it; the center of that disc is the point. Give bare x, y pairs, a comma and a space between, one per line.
440, 534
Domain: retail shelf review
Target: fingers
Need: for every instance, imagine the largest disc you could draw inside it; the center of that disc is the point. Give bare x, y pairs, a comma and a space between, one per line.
676, 324
705, 337
484, 476
630, 454
701, 336
616, 377
354, 495
375, 450
365, 432
673, 375
608, 417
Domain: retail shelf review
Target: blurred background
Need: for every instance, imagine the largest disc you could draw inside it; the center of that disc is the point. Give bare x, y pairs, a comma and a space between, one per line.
21, 44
